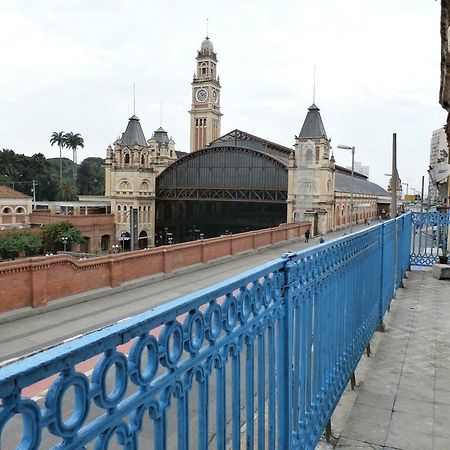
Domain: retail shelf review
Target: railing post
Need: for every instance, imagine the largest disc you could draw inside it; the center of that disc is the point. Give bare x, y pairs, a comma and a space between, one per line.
380, 326
286, 427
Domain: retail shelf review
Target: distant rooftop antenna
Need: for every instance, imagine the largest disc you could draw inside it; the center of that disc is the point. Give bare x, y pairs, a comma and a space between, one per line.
314, 86
134, 99
207, 28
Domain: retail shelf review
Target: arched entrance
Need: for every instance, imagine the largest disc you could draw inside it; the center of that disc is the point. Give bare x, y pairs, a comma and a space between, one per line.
105, 242
143, 240
125, 241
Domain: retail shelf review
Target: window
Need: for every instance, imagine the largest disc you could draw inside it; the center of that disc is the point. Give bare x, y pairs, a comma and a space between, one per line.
20, 210
7, 210
142, 160
127, 158
118, 208
124, 207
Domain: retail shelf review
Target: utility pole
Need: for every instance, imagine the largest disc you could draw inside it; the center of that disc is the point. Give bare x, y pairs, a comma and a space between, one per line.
394, 177
421, 194
34, 191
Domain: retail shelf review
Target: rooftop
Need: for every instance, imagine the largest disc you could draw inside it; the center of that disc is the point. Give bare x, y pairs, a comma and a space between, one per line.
7, 192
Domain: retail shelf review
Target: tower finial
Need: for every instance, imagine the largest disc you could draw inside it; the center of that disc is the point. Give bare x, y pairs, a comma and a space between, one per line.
134, 99
314, 86
160, 114
207, 28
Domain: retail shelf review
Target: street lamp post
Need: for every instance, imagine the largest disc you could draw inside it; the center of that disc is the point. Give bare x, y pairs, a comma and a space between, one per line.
346, 147
64, 240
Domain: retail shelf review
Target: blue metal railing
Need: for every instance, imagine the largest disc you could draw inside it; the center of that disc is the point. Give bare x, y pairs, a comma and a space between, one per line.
259, 360
429, 239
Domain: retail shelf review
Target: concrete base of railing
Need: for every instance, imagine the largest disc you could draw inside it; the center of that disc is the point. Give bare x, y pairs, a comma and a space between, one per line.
441, 271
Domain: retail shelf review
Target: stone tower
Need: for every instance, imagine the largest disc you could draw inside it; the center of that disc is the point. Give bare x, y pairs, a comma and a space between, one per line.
312, 175
205, 109
130, 182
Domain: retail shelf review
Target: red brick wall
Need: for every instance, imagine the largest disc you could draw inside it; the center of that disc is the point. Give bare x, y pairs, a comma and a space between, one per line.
33, 282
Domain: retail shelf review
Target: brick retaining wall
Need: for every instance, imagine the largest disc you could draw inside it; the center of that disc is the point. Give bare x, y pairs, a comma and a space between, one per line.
33, 282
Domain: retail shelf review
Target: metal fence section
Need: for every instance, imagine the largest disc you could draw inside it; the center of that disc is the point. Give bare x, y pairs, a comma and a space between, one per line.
429, 238
259, 360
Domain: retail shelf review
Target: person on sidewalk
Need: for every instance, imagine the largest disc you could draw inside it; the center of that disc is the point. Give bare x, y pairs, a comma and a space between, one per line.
307, 234
322, 239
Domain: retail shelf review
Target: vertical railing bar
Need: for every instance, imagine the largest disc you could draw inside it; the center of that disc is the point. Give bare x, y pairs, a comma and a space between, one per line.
249, 393
203, 414
280, 383
183, 419
271, 381
160, 431
221, 411
236, 400
261, 392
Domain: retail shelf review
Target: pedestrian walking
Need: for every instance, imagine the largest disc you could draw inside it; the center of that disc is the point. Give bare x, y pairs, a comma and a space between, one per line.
307, 234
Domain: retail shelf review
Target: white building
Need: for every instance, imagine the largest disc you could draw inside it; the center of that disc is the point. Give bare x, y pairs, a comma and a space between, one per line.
358, 167
438, 155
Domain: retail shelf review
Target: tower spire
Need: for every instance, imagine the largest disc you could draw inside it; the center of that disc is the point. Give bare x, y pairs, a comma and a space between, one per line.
160, 114
314, 86
134, 99
207, 28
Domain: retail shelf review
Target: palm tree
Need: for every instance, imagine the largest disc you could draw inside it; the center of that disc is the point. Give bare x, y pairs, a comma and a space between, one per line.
73, 141
59, 139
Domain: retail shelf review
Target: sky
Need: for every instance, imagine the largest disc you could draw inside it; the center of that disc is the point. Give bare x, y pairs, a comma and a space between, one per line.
70, 65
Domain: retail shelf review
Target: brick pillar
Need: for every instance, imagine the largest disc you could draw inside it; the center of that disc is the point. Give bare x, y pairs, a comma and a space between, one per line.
115, 272
39, 280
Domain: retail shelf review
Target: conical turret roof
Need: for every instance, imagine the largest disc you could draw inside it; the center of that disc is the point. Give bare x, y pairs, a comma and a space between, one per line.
133, 134
313, 126
161, 136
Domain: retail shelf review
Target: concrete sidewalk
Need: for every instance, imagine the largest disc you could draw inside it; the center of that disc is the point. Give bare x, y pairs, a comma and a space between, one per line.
402, 400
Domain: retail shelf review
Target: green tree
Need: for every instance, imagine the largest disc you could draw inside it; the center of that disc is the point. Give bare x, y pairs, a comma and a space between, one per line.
53, 234
73, 141
91, 177
16, 242
59, 139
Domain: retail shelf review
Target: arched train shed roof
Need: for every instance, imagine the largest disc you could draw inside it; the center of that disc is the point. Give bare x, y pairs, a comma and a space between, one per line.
225, 173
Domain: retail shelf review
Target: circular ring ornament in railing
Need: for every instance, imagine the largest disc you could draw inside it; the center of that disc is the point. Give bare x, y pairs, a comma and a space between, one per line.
267, 290
106, 399
54, 401
171, 339
140, 375
31, 416
231, 312
245, 302
258, 297
123, 435
277, 284
195, 328
213, 321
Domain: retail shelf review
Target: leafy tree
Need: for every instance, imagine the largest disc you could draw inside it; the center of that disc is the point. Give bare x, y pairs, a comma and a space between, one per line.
73, 141
16, 242
59, 139
91, 177
67, 193
53, 234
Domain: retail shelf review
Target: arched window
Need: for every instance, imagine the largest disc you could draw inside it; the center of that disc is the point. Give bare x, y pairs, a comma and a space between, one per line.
144, 186
124, 207
6, 210
118, 208
20, 210
142, 160
127, 158
125, 186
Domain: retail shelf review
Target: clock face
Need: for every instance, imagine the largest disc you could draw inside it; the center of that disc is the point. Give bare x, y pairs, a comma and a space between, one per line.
201, 95
215, 96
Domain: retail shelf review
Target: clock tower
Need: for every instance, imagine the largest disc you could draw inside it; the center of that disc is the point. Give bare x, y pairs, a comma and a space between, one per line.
205, 109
